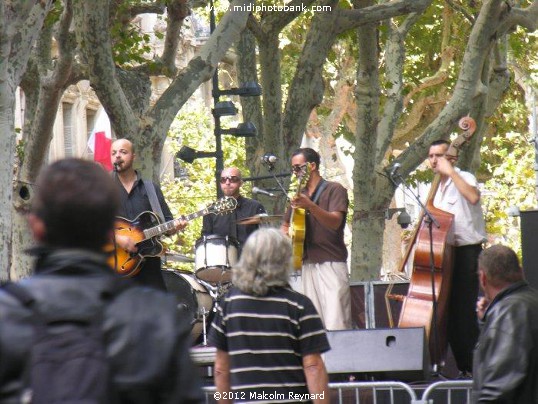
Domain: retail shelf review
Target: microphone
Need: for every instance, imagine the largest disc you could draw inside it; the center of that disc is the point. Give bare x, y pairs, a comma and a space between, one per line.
269, 158
256, 190
116, 165
394, 170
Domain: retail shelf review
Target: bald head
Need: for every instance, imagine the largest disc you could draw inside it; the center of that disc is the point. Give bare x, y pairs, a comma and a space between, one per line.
123, 143
230, 181
122, 155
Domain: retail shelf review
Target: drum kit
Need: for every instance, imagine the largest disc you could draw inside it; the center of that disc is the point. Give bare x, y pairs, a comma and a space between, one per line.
198, 292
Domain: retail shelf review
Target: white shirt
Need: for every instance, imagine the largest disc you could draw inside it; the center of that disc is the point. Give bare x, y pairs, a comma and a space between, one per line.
469, 224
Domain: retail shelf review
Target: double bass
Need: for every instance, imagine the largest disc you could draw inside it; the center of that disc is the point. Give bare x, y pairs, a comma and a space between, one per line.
426, 303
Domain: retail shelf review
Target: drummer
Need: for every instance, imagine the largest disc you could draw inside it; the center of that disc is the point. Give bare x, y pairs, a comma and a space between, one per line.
226, 225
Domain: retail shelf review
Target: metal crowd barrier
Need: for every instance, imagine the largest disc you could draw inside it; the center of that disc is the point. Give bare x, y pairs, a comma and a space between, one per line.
371, 392
445, 392
453, 392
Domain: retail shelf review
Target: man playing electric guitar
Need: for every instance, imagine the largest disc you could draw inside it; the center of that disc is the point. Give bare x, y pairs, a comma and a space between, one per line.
325, 275
135, 200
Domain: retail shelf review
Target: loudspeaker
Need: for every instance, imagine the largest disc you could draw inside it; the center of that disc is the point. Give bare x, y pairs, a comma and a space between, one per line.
378, 354
529, 232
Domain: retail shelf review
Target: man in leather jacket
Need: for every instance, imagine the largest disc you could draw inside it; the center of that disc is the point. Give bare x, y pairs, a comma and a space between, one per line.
506, 356
147, 338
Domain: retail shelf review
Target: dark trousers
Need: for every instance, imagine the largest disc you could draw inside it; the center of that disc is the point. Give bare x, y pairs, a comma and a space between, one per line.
462, 321
150, 275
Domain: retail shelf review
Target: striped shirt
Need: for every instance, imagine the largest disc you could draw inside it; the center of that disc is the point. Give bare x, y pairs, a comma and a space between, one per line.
266, 338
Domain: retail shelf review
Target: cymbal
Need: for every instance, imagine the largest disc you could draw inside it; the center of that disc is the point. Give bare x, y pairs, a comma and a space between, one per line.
177, 258
260, 219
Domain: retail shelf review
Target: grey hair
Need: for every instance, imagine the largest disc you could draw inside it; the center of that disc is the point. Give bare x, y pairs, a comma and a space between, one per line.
265, 262
500, 264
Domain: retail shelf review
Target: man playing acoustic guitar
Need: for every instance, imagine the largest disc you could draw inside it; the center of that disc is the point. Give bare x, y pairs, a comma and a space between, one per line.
135, 200
325, 275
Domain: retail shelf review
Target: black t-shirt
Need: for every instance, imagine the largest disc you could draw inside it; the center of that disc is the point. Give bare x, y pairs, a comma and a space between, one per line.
131, 205
226, 225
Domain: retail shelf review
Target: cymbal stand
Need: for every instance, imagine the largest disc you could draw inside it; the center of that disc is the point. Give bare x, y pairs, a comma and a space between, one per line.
215, 291
204, 313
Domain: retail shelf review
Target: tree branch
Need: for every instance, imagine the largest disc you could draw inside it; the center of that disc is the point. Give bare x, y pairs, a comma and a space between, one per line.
202, 66
527, 18
395, 59
91, 26
20, 18
177, 12
275, 21
467, 88
461, 10
306, 88
66, 46
349, 19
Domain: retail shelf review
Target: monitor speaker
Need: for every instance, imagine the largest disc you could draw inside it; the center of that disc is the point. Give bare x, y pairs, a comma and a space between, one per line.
378, 354
529, 239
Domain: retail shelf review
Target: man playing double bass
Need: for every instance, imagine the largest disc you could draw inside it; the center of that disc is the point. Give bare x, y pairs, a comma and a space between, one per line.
458, 194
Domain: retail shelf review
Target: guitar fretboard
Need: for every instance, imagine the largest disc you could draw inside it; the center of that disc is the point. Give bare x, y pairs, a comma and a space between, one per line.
166, 227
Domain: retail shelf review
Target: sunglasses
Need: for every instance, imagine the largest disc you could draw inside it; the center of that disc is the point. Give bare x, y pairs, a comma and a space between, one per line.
297, 168
234, 179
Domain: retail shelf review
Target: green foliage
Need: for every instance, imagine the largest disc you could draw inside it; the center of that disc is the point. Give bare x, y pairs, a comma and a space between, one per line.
507, 168
423, 44
510, 159
523, 47
53, 16
195, 188
20, 147
130, 45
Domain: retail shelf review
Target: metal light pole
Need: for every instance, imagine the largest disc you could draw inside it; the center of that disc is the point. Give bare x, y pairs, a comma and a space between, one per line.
219, 163
534, 127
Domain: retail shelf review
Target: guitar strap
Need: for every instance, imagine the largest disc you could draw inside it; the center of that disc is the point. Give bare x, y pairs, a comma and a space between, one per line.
154, 202
315, 198
319, 189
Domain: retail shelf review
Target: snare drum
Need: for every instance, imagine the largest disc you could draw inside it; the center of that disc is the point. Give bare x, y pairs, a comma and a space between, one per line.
192, 297
214, 257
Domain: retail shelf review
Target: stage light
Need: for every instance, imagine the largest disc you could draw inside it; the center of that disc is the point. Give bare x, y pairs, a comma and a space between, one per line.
224, 108
244, 129
188, 154
249, 89
404, 220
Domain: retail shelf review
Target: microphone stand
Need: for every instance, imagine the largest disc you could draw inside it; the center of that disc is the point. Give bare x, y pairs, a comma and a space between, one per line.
270, 168
396, 180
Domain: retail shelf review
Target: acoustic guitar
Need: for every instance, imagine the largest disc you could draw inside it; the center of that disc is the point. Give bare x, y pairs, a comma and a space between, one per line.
146, 229
297, 229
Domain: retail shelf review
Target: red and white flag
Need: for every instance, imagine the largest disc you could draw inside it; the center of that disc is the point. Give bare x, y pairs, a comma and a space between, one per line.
100, 140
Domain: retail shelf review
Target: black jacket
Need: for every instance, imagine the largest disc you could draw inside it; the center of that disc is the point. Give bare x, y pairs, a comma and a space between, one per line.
148, 339
505, 368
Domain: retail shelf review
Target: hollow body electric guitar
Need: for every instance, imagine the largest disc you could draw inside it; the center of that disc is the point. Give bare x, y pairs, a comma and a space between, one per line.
297, 230
146, 229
